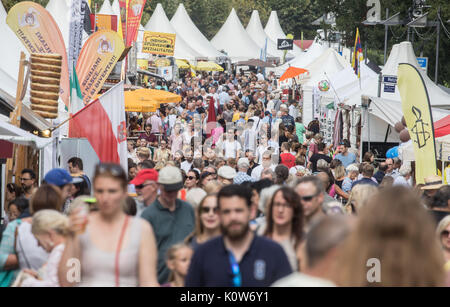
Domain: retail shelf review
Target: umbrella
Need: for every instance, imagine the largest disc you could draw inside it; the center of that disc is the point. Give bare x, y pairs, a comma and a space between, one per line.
182, 64
155, 95
292, 72
138, 103
255, 62
208, 66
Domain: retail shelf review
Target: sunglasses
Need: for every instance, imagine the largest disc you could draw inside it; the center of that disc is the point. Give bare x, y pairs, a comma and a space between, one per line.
25, 179
308, 198
114, 169
141, 186
445, 233
191, 177
208, 210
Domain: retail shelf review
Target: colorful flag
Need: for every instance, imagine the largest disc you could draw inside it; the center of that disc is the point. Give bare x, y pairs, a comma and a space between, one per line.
357, 54
103, 123
39, 33
76, 99
417, 112
103, 22
135, 9
123, 4
96, 61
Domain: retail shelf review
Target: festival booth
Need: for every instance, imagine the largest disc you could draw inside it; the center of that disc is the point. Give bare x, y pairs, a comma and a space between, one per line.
274, 32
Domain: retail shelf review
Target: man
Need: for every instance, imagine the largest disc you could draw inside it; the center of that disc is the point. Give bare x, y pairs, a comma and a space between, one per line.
226, 174
191, 112
344, 155
149, 137
224, 98
311, 191
379, 175
75, 165
404, 176
27, 181
367, 173
393, 165
61, 179
238, 258
314, 126
320, 155
285, 117
250, 136
250, 155
187, 164
266, 163
156, 123
293, 111
146, 186
299, 129
241, 176
390, 166
322, 246
172, 219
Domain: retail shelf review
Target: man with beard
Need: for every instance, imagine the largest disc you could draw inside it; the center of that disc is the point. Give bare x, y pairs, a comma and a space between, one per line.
146, 186
27, 180
238, 258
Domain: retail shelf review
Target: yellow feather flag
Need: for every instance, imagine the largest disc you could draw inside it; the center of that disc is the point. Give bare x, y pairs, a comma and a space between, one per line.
417, 112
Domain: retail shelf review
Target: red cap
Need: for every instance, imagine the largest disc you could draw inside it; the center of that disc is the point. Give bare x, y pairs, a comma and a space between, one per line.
145, 174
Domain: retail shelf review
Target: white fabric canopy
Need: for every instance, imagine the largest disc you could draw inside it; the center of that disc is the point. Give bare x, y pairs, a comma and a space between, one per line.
16, 135
160, 23
184, 25
235, 41
60, 11
274, 31
106, 8
256, 32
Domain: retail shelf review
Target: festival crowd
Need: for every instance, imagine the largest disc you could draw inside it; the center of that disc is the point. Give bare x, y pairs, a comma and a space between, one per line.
228, 188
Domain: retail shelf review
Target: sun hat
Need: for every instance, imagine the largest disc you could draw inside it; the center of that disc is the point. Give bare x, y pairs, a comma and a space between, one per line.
170, 178
433, 182
226, 172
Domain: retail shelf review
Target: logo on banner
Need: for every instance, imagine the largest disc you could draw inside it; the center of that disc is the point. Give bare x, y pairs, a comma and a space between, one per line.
136, 6
285, 44
122, 132
419, 129
105, 46
29, 19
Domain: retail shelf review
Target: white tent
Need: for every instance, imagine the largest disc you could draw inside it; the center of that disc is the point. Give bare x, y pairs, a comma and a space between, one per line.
184, 26
106, 8
60, 11
160, 23
274, 31
256, 32
235, 41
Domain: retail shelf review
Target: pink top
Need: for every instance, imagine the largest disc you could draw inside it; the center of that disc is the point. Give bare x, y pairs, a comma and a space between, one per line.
332, 192
156, 123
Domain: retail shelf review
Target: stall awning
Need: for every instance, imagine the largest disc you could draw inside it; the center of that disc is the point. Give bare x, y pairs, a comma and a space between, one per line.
18, 136
207, 66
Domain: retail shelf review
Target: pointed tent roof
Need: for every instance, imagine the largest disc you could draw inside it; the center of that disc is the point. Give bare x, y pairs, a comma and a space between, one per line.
184, 26
236, 42
160, 23
60, 11
106, 8
256, 32
274, 31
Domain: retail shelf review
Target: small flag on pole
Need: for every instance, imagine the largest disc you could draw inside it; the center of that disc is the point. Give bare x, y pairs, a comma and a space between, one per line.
357, 54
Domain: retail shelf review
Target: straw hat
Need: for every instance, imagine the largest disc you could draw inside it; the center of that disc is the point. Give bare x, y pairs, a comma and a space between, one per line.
433, 182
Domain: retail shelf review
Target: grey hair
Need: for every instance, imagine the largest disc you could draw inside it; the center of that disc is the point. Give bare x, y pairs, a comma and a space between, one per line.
266, 195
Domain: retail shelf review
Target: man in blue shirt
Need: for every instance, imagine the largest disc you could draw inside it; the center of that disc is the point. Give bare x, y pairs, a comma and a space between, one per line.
238, 258
344, 155
367, 173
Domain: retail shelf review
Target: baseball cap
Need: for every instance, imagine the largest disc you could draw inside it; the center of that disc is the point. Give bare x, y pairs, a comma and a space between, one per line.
144, 175
226, 172
60, 177
170, 178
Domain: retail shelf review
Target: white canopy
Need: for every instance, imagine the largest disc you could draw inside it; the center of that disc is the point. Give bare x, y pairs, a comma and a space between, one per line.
60, 11
106, 8
16, 135
256, 32
184, 26
274, 31
235, 41
160, 23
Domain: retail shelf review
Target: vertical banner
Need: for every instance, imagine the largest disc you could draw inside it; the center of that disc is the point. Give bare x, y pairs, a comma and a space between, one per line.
39, 33
135, 9
123, 17
76, 33
417, 112
103, 22
86, 15
97, 59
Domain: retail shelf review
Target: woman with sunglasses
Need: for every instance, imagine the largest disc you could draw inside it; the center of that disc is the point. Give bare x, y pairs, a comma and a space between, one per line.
443, 233
207, 222
285, 223
112, 248
192, 179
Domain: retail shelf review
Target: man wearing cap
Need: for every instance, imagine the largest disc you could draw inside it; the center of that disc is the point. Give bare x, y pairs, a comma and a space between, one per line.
226, 174
172, 219
432, 185
241, 176
146, 185
344, 155
61, 178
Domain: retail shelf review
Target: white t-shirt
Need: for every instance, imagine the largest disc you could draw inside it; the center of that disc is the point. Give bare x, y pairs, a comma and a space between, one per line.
186, 166
231, 149
257, 171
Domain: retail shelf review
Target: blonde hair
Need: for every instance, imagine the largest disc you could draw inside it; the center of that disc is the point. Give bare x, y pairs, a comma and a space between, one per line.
46, 220
442, 225
213, 187
360, 195
339, 172
171, 255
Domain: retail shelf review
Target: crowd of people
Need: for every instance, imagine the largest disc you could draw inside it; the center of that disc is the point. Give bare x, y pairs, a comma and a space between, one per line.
228, 188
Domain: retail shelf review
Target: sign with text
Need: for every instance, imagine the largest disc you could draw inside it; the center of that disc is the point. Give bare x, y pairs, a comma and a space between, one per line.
423, 63
159, 43
390, 79
285, 44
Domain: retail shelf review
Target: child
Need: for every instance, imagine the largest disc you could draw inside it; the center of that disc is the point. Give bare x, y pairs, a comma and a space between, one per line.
178, 260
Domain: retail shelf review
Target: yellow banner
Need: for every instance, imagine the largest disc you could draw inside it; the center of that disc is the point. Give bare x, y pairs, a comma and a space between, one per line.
39, 33
96, 61
159, 43
417, 112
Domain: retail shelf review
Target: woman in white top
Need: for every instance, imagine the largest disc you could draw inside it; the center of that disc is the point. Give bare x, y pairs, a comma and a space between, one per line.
113, 249
50, 228
263, 146
176, 140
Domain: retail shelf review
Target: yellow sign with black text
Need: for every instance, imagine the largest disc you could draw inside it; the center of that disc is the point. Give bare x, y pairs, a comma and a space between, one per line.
159, 43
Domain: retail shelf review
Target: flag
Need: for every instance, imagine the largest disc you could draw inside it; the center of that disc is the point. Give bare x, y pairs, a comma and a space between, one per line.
75, 34
86, 15
134, 15
357, 54
123, 17
76, 100
103, 22
103, 123
417, 112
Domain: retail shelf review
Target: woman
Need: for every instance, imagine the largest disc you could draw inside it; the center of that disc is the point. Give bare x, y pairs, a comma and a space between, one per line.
50, 229
285, 223
12, 192
359, 197
205, 177
443, 234
176, 140
162, 153
27, 255
114, 249
178, 260
207, 222
388, 245
339, 175
192, 179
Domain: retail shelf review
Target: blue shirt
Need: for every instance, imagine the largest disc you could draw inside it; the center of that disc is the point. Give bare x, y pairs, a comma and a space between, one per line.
264, 263
242, 177
350, 158
365, 181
